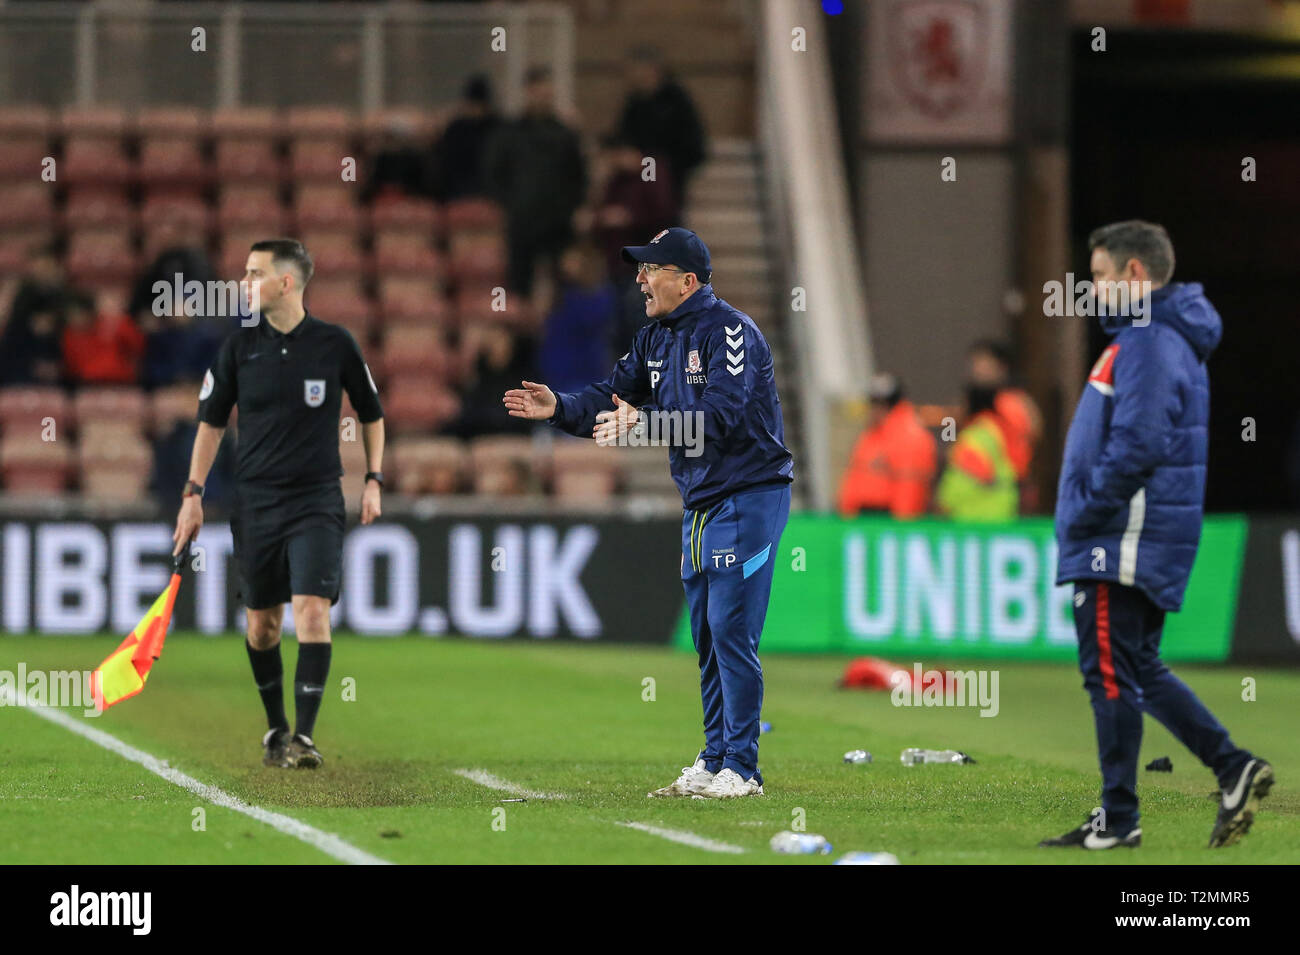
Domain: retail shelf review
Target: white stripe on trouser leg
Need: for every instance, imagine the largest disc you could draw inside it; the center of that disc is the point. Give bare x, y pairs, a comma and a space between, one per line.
1128, 545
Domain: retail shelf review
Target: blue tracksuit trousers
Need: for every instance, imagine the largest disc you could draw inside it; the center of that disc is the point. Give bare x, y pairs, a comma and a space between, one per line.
729, 552
1119, 631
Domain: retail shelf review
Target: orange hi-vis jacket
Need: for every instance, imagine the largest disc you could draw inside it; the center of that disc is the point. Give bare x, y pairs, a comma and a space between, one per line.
892, 468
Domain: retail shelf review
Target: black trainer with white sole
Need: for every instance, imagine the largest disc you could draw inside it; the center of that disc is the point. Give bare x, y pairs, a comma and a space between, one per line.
1086, 837
275, 749
302, 753
1238, 805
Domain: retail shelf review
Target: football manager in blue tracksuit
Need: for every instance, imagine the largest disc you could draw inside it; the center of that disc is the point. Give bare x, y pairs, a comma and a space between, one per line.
1128, 521
700, 357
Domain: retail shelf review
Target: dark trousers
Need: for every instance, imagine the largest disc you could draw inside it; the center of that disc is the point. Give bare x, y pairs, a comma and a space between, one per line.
729, 554
1119, 631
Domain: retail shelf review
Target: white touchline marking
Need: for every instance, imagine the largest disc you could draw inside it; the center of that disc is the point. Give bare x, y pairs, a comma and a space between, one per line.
326, 842
484, 778
685, 838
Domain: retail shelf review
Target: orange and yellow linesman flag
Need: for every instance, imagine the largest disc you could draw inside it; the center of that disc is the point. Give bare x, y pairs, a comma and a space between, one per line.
124, 673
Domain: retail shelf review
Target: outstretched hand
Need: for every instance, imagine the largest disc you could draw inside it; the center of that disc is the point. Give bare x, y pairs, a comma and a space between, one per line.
534, 401
612, 425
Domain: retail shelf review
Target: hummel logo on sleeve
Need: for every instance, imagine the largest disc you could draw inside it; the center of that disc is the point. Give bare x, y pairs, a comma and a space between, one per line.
735, 340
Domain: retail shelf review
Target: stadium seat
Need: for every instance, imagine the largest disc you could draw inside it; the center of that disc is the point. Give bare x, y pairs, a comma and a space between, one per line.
414, 405
474, 215
190, 211
169, 405
411, 297
584, 472
96, 159
342, 302
429, 465
97, 407
237, 160
97, 205
232, 252
246, 204
501, 464
478, 258
99, 257
318, 159
26, 205
114, 464
32, 466
322, 206
335, 254
24, 141
492, 305
320, 122
400, 214
24, 410
172, 162
415, 349
406, 253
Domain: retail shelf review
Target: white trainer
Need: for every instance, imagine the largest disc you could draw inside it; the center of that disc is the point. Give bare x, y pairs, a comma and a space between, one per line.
729, 785
694, 779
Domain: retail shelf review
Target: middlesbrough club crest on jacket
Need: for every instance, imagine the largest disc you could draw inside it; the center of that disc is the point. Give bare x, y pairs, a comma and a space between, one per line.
693, 362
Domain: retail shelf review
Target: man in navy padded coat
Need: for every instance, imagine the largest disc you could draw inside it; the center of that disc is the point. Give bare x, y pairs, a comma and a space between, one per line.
1128, 521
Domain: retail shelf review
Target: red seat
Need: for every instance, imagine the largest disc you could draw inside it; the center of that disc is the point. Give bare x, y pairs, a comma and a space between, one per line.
251, 204
501, 464
402, 253
342, 302
187, 210
122, 408
97, 206
25, 410
414, 404
406, 215
100, 257
331, 207
416, 350
32, 466
429, 465
480, 261
335, 254
474, 215
95, 159
318, 159
320, 122
26, 204
412, 297
172, 162
237, 160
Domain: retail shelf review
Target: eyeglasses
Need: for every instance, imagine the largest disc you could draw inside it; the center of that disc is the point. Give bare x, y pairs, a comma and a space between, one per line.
649, 268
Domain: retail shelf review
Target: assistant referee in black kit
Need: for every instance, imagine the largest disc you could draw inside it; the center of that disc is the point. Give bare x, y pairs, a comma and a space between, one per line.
286, 374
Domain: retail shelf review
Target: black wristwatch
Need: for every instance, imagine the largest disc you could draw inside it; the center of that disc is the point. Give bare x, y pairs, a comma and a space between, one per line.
375, 476
192, 487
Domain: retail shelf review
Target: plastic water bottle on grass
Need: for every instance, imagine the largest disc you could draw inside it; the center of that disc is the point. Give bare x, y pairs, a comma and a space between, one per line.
800, 844
913, 756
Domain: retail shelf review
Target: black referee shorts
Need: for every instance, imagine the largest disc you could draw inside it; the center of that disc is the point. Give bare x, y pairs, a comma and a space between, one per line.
288, 541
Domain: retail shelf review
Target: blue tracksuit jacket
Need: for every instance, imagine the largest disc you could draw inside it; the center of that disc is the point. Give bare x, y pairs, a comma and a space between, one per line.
1132, 488
708, 357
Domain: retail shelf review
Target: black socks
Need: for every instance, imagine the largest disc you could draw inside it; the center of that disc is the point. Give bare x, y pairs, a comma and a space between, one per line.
268, 671
309, 684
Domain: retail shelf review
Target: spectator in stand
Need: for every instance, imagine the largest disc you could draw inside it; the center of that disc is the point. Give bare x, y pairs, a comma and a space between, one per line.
980, 481
535, 169
575, 349
460, 153
180, 342
894, 462
101, 344
30, 351
660, 119
630, 207
400, 167
989, 366
500, 362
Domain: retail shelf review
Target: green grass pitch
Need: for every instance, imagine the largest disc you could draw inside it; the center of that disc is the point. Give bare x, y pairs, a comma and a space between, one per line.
569, 719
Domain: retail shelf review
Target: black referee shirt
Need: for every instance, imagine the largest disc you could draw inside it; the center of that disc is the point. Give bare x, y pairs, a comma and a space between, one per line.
289, 389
